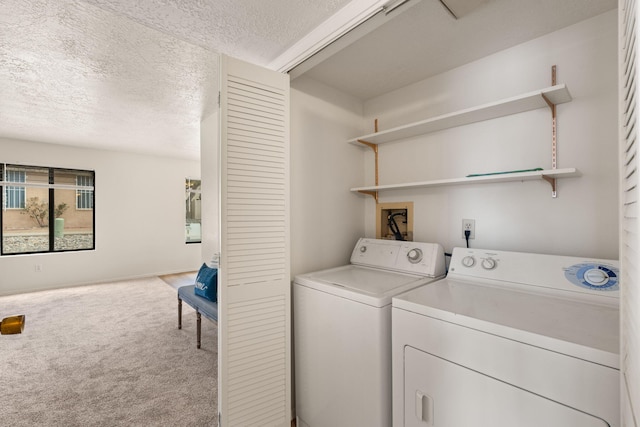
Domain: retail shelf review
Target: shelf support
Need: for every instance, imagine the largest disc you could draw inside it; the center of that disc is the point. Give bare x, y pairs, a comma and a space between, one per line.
374, 147
373, 194
551, 181
554, 139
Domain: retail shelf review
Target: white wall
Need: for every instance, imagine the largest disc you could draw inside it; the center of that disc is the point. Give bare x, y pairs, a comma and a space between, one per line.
582, 221
210, 167
326, 219
140, 219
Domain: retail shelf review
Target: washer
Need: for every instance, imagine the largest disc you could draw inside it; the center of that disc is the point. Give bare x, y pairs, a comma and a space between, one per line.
509, 339
342, 331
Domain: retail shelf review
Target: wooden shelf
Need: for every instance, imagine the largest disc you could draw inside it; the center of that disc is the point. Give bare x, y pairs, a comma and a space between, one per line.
548, 175
557, 94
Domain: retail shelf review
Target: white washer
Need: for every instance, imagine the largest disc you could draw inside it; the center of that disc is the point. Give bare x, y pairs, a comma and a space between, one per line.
509, 339
342, 331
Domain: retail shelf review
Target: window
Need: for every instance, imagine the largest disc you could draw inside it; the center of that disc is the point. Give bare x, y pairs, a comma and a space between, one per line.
46, 209
84, 198
193, 231
14, 196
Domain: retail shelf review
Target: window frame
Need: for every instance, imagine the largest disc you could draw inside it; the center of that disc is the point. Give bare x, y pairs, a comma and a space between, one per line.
51, 186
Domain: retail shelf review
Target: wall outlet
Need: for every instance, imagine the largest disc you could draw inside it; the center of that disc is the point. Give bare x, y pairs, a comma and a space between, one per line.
469, 224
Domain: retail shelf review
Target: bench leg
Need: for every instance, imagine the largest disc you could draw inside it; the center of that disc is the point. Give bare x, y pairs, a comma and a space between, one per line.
179, 313
198, 322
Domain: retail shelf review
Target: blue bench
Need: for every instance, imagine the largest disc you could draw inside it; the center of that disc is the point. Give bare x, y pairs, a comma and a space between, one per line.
202, 306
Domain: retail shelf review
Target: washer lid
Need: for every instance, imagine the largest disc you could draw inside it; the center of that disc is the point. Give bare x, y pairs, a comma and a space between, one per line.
581, 329
368, 285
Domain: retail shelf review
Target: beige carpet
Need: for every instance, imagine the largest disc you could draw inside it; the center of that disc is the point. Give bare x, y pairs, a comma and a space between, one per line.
107, 355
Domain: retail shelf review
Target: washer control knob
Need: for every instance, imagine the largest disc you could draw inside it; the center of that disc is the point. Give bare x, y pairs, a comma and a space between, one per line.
468, 261
363, 249
414, 255
596, 277
489, 263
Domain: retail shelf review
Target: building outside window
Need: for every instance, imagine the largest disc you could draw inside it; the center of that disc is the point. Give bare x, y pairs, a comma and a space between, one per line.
46, 209
14, 196
193, 230
84, 198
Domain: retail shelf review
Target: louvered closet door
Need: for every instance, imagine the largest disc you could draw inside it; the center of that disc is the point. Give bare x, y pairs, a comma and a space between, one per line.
629, 218
255, 322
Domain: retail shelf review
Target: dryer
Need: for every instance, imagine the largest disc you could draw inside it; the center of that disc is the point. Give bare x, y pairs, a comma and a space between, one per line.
342, 331
509, 339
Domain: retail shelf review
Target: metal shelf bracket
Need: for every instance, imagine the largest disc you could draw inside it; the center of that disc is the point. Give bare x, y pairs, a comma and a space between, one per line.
551, 181
554, 139
373, 194
374, 147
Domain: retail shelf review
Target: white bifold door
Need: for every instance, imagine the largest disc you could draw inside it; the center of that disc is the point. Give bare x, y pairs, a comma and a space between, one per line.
254, 378
629, 98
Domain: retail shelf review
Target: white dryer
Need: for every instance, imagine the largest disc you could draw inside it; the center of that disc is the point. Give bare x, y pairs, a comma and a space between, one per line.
342, 331
509, 339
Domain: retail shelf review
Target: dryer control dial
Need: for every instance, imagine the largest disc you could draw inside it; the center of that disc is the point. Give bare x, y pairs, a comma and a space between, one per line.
489, 263
414, 255
363, 249
596, 277
468, 261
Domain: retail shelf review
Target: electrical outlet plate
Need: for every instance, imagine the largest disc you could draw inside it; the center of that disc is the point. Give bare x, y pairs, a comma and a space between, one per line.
469, 224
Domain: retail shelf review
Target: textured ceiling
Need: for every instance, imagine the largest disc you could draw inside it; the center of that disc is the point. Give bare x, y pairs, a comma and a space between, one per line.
71, 73
256, 31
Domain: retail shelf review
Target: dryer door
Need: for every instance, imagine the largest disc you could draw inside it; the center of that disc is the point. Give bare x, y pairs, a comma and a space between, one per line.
440, 393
